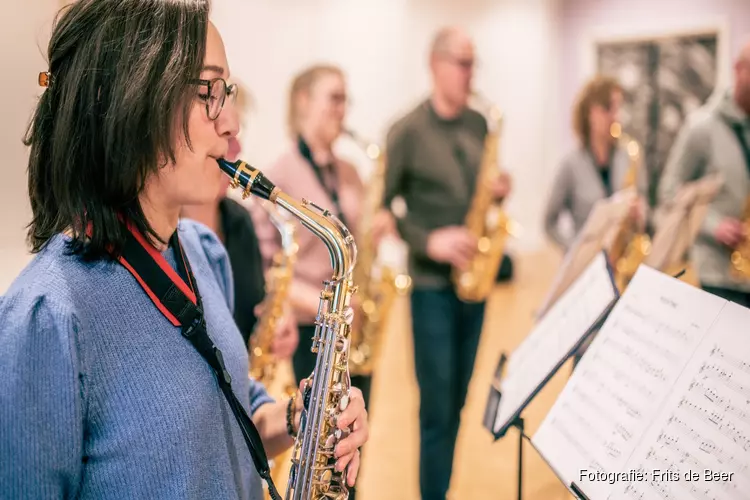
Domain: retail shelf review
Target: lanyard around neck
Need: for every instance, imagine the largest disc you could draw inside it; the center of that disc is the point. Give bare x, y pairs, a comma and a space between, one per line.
177, 298
331, 191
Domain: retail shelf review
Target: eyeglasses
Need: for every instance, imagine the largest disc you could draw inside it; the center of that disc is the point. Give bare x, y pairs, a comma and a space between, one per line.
217, 93
464, 63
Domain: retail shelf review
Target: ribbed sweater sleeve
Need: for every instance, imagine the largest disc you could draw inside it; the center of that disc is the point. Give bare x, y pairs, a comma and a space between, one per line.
41, 408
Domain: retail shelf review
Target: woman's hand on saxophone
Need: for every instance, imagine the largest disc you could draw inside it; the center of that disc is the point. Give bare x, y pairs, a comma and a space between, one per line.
353, 418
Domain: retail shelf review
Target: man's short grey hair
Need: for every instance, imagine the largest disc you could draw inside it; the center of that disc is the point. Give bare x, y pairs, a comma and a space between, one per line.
442, 39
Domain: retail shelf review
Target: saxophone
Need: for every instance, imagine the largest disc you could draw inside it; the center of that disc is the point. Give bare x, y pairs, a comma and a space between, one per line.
631, 244
377, 285
262, 361
326, 392
488, 222
740, 260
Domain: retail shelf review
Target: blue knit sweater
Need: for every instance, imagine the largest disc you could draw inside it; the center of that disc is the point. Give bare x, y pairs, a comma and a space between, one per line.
101, 397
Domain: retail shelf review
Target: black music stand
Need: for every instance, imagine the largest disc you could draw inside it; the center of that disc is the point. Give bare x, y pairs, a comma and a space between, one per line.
490, 414
495, 394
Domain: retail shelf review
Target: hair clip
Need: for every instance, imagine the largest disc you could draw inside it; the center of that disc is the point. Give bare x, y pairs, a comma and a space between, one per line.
45, 79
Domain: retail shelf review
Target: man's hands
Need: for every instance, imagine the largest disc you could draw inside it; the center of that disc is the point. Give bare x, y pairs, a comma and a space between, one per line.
453, 245
730, 232
501, 186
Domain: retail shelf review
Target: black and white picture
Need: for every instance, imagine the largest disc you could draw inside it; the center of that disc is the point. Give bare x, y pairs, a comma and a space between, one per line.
664, 80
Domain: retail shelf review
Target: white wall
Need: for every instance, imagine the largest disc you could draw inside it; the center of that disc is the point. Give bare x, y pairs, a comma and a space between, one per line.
382, 46
24, 33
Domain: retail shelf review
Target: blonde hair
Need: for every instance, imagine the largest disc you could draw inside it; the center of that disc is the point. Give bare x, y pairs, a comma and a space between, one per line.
598, 91
303, 83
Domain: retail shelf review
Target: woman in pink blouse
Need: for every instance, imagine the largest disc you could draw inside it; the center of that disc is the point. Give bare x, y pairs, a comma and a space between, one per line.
309, 169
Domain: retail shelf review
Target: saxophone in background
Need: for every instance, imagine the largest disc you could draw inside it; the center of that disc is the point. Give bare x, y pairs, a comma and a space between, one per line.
326, 392
487, 221
377, 285
631, 245
740, 261
263, 365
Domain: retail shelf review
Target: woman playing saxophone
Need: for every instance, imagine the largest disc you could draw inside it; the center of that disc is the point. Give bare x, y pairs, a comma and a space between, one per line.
101, 374
597, 168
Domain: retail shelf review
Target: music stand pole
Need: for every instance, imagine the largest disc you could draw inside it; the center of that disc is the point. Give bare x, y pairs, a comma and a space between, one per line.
519, 425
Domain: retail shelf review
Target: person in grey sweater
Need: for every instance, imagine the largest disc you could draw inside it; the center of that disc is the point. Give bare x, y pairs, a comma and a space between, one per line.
597, 168
715, 140
433, 157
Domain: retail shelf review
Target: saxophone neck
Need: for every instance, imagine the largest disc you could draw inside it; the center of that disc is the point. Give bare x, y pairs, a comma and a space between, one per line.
371, 149
321, 222
326, 226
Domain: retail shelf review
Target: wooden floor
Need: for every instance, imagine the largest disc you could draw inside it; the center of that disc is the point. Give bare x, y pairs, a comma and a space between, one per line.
482, 468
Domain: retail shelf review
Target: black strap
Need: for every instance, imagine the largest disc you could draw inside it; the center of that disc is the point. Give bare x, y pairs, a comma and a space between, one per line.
739, 131
332, 191
180, 302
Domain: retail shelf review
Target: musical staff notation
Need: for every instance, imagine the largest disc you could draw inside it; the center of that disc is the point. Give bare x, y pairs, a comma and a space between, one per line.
553, 338
703, 428
615, 409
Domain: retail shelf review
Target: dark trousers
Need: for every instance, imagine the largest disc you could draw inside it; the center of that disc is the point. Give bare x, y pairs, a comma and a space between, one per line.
303, 362
741, 298
446, 336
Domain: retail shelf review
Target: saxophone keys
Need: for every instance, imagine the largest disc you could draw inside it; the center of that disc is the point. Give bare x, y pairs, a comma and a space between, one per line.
484, 244
349, 315
344, 402
325, 479
342, 434
331, 441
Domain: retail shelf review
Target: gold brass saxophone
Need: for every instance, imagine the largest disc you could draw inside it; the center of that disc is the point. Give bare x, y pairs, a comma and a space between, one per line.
326, 393
740, 260
487, 221
631, 244
279, 276
377, 285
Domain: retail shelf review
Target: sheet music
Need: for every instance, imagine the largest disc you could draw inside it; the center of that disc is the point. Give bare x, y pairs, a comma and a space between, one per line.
624, 377
554, 337
703, 426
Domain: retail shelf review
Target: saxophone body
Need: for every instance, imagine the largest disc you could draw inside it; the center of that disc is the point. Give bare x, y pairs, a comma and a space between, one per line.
632, 244
377, 285
326, 393
739, 266
262, 361
487, 221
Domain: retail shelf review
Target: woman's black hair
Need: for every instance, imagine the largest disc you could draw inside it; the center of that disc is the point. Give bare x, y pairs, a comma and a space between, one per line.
122, 80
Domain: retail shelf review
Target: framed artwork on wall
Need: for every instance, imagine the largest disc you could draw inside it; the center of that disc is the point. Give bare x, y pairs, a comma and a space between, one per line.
665, 78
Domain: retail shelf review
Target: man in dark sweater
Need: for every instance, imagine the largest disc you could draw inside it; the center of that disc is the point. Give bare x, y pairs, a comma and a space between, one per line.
433, 155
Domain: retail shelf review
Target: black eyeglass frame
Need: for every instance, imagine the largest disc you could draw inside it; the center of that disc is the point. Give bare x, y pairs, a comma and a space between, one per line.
229, 91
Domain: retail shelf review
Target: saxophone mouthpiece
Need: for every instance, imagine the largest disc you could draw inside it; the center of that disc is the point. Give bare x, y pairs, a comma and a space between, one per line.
249, 178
